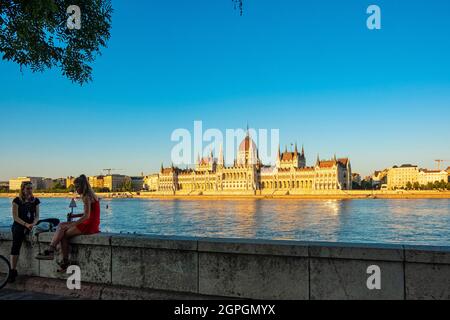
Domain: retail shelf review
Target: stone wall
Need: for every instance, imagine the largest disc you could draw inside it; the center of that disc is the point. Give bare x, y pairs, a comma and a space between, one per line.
256, 269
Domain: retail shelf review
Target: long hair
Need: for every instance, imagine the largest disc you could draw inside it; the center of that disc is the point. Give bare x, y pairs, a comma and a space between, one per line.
86, 190
22, 190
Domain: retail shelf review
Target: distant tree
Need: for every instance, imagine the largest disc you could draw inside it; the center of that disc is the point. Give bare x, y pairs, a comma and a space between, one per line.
238, 4
436, 185
416, 186
127, 186
366, 185
58, 186
409, 185
71, 188
101, 190
34, 34
448, 185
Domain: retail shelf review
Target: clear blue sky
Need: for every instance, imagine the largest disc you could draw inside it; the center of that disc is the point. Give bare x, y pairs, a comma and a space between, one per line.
310, 68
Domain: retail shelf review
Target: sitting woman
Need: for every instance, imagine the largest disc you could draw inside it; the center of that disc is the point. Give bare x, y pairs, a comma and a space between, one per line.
88, 224
25, 212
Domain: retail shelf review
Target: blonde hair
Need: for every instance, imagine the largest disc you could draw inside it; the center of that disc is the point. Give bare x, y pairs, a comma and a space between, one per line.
86, 190
22, 189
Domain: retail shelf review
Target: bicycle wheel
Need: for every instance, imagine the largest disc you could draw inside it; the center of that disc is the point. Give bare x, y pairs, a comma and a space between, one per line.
5, 269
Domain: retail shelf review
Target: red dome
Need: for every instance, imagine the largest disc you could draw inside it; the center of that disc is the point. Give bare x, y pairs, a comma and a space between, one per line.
245, 144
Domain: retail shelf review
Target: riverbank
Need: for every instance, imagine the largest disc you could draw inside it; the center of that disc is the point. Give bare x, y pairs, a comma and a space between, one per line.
337, 195
348, 195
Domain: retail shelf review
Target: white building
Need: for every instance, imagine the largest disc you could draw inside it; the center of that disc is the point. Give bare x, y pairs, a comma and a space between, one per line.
399, 177
151, 182
431, 176
15, 184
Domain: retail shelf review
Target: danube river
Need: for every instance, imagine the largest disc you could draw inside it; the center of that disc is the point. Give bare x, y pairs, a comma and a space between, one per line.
369, 221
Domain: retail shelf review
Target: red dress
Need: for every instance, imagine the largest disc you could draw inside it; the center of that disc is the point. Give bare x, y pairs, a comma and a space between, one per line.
91, 225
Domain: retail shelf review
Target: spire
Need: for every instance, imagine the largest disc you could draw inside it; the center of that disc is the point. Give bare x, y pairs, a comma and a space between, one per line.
303, 150
296, 150
279, 153
285, 148
162, 167
318, 160
221, 159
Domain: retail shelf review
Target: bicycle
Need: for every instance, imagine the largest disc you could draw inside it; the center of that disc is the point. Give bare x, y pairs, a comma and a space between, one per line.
5, 270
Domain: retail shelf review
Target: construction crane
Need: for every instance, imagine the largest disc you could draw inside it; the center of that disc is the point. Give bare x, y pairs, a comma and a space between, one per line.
109, 170
440, 162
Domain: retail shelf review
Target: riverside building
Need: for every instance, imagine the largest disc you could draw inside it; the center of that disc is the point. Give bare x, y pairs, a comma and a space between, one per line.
38, 183
248, 176
399, 177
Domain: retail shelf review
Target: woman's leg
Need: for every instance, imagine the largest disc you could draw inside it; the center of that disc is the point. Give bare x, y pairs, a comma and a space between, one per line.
59, 234
13, 261
65, 249
18, 234
70, 233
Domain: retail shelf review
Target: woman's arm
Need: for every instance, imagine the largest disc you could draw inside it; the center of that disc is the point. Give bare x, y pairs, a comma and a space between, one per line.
87, 211
15, 214
36, 216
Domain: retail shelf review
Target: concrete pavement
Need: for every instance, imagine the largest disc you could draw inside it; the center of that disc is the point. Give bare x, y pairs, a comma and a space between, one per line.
8, 294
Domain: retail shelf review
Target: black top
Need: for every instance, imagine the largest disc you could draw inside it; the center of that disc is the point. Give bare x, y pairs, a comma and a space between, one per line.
27, 209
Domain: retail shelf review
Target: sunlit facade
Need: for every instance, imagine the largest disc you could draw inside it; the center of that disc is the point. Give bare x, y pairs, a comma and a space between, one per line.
432, 176
15, 184
248, 175
400, 177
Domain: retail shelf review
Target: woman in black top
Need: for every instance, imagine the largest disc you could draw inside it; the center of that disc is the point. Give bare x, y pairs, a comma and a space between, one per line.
25, 211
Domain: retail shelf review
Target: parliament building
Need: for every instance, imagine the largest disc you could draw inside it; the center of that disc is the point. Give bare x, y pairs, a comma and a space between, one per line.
248, 176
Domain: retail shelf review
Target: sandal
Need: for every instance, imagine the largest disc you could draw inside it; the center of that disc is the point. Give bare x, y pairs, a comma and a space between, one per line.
63, 265
48, 254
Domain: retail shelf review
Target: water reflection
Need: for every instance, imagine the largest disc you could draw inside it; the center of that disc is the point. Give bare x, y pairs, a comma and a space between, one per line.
382, 221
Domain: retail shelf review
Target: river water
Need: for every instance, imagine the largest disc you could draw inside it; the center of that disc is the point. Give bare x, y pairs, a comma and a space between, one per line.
409, 221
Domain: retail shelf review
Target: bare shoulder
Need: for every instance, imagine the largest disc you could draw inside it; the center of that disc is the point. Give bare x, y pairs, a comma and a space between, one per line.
86, 201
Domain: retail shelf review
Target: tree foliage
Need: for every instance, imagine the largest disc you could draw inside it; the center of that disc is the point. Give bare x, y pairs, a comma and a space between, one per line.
34, 34
437, 185
238, 5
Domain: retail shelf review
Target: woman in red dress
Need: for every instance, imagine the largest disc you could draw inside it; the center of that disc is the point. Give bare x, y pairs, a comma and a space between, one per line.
88, 223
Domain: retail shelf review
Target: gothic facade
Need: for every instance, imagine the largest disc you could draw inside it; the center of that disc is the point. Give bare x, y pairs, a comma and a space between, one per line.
249, 176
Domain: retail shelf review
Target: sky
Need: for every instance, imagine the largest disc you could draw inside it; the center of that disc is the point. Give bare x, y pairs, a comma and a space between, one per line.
311, 69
